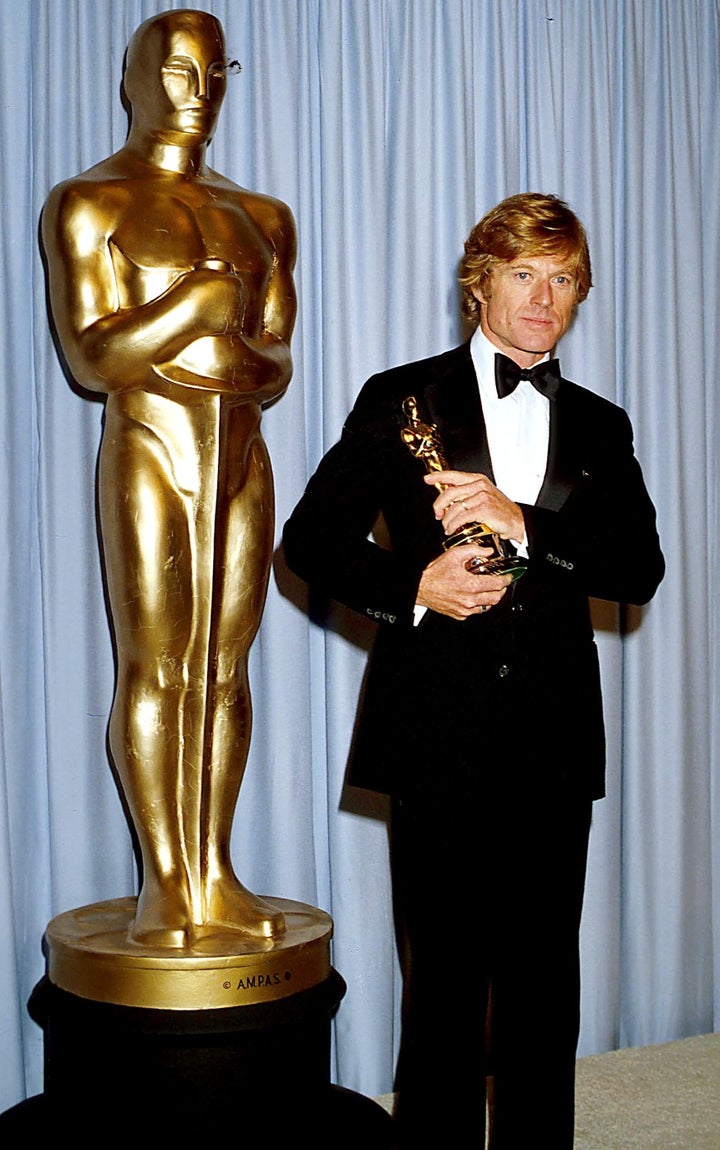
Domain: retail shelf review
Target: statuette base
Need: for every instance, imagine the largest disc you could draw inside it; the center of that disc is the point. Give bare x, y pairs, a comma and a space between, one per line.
502, 562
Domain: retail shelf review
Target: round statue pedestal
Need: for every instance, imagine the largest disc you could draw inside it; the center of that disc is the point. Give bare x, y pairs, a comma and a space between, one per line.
192, 1043
90, 953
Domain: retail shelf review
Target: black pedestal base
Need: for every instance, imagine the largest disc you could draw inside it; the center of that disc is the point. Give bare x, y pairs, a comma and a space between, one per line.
339, 1120
258, 1072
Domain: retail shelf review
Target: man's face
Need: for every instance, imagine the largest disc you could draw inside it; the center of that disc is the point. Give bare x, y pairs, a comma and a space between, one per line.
528, 306
181, 92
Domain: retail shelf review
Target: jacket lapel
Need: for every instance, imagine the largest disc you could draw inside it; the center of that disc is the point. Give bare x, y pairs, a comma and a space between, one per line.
560, 474
453, 402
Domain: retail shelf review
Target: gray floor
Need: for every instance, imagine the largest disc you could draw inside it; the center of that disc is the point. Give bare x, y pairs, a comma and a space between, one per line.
651, 1098
663, 1097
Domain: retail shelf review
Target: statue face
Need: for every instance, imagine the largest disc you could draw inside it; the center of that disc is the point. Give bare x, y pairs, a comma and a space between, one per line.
175, 78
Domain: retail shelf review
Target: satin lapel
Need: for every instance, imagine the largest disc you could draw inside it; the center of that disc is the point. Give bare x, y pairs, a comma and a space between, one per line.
453, 402
560, 475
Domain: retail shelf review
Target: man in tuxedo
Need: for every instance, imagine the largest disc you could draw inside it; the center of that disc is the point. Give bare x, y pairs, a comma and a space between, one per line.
482, 713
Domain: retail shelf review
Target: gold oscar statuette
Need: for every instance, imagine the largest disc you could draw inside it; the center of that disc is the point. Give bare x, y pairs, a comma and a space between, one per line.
423, 441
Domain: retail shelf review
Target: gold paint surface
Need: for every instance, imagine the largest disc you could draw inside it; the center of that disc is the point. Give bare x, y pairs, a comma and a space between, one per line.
91, 954
172, 295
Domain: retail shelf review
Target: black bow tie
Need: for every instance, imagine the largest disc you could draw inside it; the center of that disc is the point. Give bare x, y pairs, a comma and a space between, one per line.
545, 377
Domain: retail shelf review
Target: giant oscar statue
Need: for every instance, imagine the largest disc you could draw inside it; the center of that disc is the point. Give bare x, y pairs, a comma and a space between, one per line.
172, 293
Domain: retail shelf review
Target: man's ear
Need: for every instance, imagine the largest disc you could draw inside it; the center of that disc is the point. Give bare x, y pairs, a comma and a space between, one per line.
478, 293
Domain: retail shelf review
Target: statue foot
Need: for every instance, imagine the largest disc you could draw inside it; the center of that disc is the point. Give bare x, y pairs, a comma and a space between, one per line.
163, 917
231, 906
162, 921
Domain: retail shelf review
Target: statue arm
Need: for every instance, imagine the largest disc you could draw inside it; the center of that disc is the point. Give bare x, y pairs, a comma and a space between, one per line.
256, 364
251, 365
111, 348
273, 344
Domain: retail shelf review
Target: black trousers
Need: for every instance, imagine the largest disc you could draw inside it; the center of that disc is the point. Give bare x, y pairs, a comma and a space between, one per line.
488, 893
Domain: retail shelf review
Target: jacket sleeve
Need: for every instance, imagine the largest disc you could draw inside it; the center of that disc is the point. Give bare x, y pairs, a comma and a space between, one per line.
328, 538
605, 534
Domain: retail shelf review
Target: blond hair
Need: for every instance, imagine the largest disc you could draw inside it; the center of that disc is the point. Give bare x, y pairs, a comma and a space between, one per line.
528, 224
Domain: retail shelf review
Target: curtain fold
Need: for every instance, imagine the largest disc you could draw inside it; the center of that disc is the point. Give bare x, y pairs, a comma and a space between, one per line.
389, 127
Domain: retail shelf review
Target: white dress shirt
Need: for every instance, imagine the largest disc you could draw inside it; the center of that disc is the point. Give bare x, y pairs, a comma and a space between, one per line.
518, 429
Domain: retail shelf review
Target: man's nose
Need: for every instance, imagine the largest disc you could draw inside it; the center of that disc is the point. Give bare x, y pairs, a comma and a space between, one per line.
542, 293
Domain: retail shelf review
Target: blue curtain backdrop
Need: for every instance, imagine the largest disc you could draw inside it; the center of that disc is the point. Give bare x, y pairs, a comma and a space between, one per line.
389, 126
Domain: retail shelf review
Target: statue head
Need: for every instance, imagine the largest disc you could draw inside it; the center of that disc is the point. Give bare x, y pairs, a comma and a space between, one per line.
175, 76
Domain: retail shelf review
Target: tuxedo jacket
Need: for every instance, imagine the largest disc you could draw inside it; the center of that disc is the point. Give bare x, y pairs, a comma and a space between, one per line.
512, 695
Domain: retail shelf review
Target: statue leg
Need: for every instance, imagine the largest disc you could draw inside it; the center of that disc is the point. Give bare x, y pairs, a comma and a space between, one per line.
160, 695
241, 586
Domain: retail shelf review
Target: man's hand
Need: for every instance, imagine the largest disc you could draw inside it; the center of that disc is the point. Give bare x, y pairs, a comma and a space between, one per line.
448, 588
471, 498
